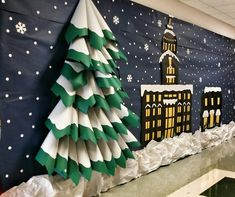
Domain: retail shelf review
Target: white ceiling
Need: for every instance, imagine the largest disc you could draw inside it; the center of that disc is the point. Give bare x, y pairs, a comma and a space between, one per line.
223, 10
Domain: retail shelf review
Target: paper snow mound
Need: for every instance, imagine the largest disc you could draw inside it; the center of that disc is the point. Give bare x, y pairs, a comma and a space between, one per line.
156, 154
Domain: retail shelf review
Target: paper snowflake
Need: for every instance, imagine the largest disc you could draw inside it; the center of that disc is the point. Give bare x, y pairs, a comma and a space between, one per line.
159, 23
188, 51
146, 47
129, 78
20, 27
115, 20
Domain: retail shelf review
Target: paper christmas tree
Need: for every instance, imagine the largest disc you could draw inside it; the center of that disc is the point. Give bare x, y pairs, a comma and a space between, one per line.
88, 126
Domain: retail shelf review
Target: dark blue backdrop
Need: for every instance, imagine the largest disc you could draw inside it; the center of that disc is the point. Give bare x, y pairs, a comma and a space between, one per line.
31, 59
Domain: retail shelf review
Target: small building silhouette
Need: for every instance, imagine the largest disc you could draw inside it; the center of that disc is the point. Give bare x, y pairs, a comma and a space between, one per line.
211, 107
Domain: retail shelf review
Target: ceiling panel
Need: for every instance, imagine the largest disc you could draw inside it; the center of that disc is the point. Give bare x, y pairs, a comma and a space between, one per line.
223, 10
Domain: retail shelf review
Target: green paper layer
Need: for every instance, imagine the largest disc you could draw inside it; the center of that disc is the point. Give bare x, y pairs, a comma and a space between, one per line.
45, 160
86, 172
121, 161
94, 39
73, 171
74, 55
67, 99
61, 165
128, 154
70, 130
117, 55
108, 82
100, 166
131, 120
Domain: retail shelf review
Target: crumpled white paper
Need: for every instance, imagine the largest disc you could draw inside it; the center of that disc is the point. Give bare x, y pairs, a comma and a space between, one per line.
154, 155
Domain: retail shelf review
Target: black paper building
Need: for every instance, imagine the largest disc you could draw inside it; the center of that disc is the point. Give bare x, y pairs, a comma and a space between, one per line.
168, 60
169, 40
166, 111
211, 108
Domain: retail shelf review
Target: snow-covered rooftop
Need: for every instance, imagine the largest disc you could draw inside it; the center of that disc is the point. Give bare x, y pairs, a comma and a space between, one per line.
168, 52
169, 31
161, 88
212, 89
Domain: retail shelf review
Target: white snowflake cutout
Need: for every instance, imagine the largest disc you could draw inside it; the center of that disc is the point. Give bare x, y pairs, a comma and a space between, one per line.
159, 23
200, 79
146, 47
129, 78
20, 27
204, 40
188, 51
115, 20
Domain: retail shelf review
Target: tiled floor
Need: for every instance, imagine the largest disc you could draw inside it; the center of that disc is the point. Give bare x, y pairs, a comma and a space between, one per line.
167, 180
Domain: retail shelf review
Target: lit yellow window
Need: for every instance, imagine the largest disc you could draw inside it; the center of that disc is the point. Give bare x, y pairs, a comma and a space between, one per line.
188, 117
158, 134
205, 121
159, 123
168, 70
169, 123
175, 95
173, 70
179, 128
179, 96
167, 112
169, 133
147, 125
184, 108
159, 111
159, 98
147, 137
179, 109
147, 98
188, 108
153, 124
189, 95
184, 118
173, 80
153, 135
218, 100
170, 95
206, 101
154, 98
170, 112
187, 127
178, 119
165, 46
184, 96
147, 112
217, 119
154, 111
212, 101
212, 120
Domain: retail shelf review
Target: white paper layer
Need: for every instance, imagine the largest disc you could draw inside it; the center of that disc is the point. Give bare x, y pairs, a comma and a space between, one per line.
148, 159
